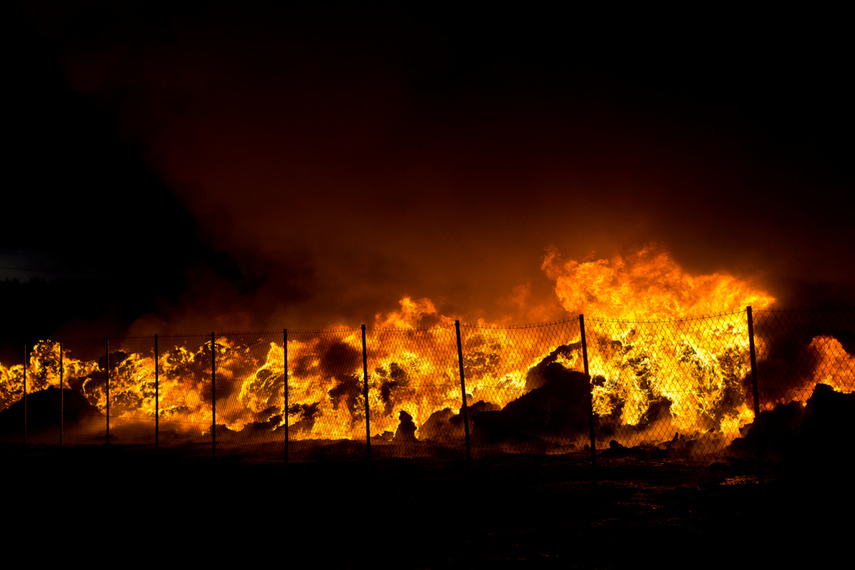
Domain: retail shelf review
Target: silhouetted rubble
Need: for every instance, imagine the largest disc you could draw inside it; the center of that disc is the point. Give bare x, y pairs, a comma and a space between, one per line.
540, 374
557, 410
446, 425
406, 432
45, 410
821, 431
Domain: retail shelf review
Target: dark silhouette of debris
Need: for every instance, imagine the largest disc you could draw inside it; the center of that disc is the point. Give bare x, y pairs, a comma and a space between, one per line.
821, 433
406, 432
556, 410
45, 411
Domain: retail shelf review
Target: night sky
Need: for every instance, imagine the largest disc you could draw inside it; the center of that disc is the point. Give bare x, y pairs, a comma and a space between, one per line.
229, 166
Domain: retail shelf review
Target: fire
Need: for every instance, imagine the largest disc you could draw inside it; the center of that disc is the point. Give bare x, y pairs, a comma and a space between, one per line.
668, 354
324, 393
646, 285
647, 346
834, 365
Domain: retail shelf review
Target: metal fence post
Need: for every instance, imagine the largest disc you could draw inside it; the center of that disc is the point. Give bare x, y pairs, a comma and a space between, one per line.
753, 356
25, 394
107, 376
285, 387
61, 398
590, 391
755, 390
213, 397
365, 377
464, 408
156, 396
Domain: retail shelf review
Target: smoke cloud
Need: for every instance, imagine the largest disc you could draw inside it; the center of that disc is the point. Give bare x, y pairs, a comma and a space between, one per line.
343, 158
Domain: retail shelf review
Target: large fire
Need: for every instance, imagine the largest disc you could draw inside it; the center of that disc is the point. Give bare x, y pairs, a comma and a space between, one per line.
647, 285
649, 345
668, 355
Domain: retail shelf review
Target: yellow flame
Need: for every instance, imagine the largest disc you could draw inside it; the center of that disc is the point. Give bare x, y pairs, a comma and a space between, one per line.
834, 366
646, 285
648, 350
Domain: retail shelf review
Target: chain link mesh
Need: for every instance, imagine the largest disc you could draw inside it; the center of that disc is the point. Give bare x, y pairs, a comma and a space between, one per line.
681, 389
677, 387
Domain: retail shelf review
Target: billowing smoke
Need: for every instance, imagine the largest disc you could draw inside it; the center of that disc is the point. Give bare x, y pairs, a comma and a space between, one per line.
339, 159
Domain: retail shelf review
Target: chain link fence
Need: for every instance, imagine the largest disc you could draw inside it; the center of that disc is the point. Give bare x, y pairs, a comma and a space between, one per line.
693, 390
671, 388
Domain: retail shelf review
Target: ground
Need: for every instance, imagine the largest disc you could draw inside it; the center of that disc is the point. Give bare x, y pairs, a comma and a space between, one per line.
104, 502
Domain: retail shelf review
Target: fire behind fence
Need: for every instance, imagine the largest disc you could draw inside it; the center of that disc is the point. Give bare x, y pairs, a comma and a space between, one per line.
688, 389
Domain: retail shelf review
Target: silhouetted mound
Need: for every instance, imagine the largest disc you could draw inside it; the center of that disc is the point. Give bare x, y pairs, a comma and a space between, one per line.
644, 452
823, 430
541, 373
406, 432
45, 410
829, 417
555, 412
446, 425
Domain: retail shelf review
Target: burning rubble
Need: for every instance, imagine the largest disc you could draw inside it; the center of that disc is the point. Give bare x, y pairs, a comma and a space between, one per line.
677, 372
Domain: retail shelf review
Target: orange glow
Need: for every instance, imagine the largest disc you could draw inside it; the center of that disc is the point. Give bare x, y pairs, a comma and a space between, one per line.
646, 285
667, 354
648, 344
834, 366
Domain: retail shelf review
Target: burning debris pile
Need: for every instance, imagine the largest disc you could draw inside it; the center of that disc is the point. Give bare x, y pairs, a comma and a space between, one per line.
681, 384
554, 412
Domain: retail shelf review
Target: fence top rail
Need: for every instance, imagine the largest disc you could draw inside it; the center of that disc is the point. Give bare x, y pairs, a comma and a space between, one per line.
202, 336
410, 329
487, 326
521, 327
664, 321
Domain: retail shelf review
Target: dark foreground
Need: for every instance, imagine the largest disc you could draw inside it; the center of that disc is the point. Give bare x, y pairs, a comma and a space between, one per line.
112, 505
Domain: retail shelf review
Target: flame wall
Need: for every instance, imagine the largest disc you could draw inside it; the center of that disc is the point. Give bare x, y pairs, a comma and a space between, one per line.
651, 382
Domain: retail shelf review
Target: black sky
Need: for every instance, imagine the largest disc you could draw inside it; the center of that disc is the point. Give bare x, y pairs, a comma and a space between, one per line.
246, 165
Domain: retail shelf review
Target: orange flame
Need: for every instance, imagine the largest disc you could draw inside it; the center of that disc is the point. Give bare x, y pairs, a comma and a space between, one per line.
667, 355
646, 285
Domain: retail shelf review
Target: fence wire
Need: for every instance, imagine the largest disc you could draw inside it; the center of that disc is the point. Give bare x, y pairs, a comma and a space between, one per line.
524, 386
682, 389
680, 385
